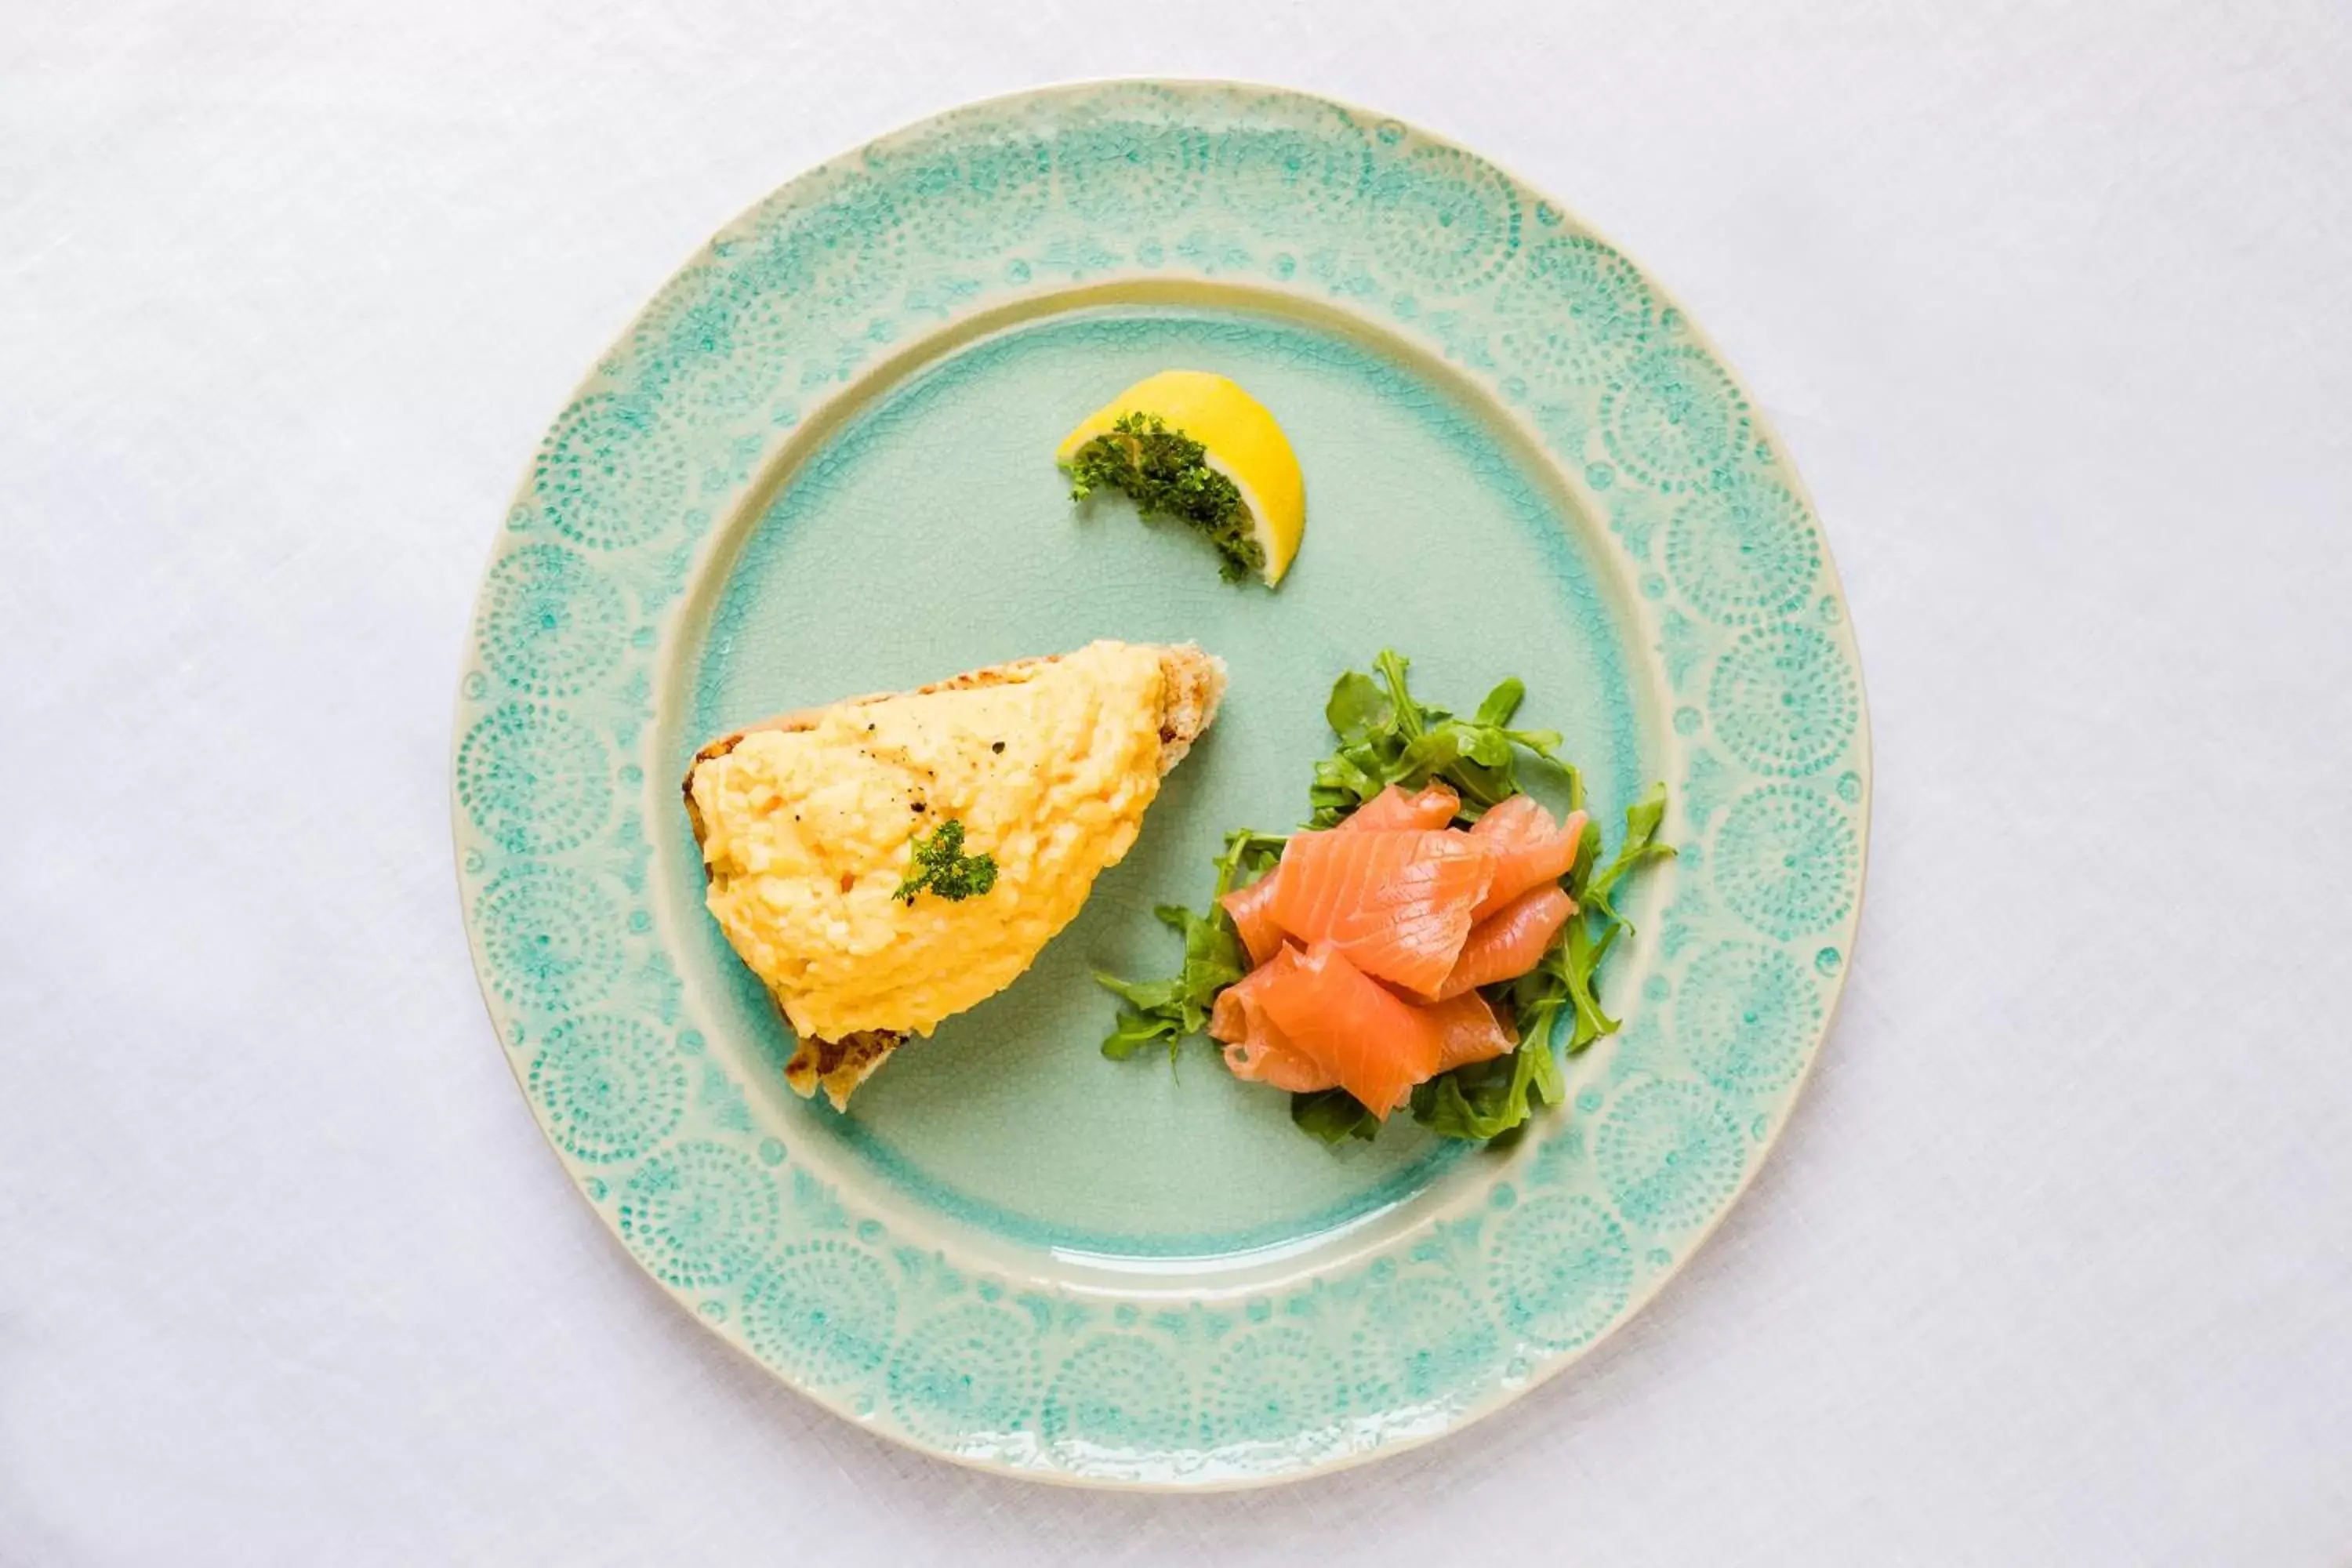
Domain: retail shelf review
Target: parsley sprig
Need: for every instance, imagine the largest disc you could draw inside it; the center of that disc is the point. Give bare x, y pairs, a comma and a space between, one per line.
1167, 474
939, 865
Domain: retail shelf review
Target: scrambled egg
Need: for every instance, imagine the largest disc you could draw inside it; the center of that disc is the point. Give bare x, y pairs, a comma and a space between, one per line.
806, 836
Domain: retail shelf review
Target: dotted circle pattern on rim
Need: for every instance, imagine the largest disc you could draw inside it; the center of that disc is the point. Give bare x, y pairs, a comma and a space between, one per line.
548, 932
1573, 311
1132, 159
968, 1373
1742, 549
699, 1215
1277, 1385
549, 624
1436, 1335
713, 343
1669, 1154
1121, 1392
533, 779
610, 476
971, 193
1784, 701
1673, 418
1287, 182
824, 1312
1447, 216
1561, 1269
610, 1088
1747, 1014
1786, 859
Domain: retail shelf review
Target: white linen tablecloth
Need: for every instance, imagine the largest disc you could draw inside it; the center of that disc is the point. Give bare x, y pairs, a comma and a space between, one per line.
2051, 304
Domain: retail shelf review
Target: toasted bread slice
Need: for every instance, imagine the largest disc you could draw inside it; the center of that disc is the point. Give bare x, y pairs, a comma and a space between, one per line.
1192, 683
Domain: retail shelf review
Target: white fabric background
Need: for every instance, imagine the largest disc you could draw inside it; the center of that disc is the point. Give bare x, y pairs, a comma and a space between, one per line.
2051, 304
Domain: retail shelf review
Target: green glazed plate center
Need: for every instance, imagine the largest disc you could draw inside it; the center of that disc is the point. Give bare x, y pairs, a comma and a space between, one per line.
933, 521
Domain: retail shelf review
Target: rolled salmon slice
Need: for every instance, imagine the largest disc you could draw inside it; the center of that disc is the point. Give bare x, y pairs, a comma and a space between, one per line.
1371, 1044
1398, 903
1506, 943
1255, 1050
1529, 847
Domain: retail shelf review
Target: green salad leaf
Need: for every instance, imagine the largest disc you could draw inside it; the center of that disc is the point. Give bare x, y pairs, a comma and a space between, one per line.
1385, 736
1485, 1100
1178, 1008
1333, 1115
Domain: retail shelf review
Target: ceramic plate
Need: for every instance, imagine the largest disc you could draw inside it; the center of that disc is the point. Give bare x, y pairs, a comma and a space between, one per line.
819, 463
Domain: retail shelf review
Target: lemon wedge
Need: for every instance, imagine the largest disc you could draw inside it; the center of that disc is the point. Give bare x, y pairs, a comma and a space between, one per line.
1241, 442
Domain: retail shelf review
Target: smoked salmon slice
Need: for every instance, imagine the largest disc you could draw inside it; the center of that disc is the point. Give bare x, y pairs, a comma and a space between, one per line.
1529, 847
1468, 1031
1259, 1052
1252, 908
1432, 807
1506, 943
1255, 1050
1397, 903
1369, 1042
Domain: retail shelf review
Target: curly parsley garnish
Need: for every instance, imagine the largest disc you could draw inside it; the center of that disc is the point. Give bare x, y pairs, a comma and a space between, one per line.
1386, 737
1166, 473
939, 865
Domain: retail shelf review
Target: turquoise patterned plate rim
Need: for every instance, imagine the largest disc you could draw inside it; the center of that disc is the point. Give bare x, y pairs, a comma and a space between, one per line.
915, 1320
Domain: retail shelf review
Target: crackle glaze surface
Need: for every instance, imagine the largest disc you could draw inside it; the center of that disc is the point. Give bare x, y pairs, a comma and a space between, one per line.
710, 467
